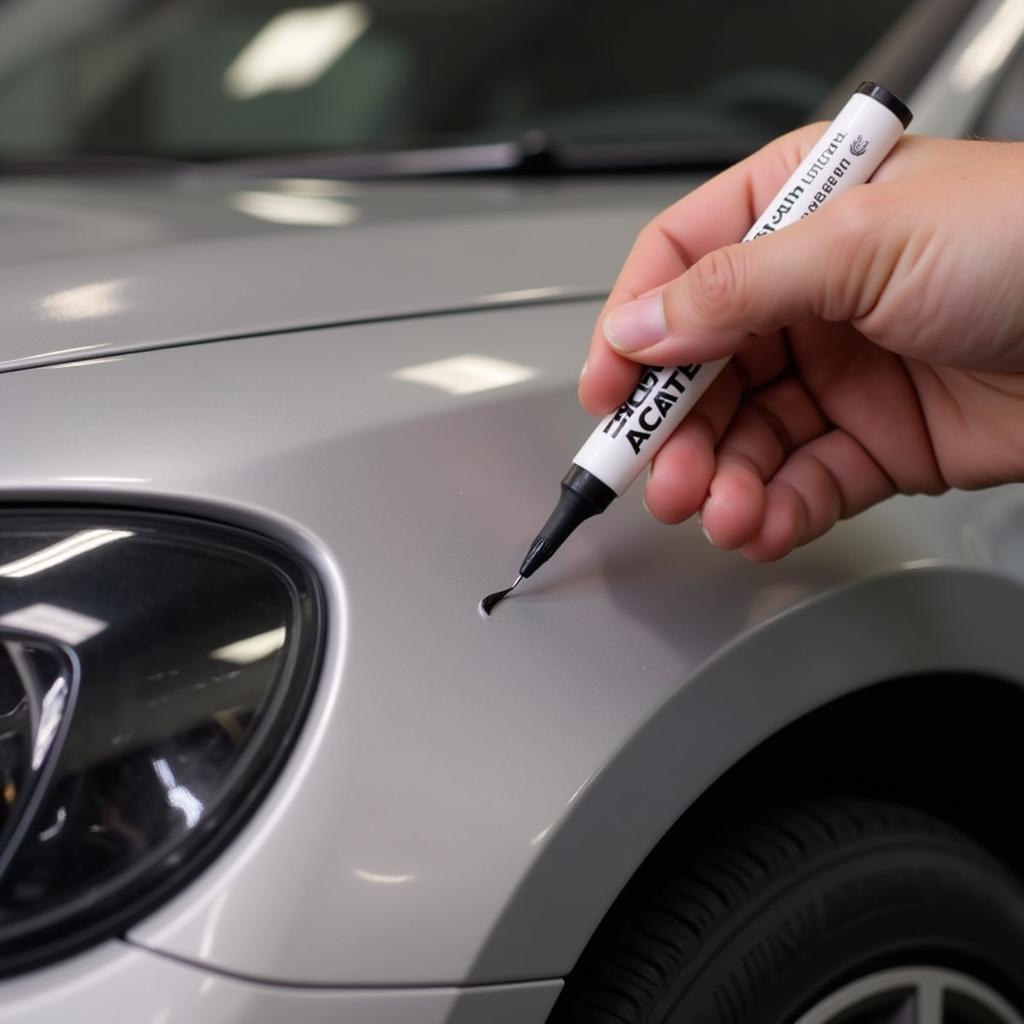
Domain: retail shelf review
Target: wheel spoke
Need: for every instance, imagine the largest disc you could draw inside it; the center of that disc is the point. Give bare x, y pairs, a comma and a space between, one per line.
903, 1013
928, 999
913, 995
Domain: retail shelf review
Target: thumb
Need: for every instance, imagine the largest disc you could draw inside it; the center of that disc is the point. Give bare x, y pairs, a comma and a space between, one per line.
824, 266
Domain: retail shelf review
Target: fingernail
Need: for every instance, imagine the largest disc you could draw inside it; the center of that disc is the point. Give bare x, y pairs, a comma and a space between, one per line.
700, 519
636, 325
583, 372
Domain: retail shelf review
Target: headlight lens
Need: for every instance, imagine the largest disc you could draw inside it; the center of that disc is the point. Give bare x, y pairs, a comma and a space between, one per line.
153, 671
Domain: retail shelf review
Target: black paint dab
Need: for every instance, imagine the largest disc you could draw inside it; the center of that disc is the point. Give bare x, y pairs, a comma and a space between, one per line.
488, 603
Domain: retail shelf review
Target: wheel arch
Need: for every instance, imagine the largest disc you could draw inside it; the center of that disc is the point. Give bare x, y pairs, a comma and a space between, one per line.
764, 714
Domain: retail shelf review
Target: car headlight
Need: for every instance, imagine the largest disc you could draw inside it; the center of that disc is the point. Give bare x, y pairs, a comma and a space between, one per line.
153, 671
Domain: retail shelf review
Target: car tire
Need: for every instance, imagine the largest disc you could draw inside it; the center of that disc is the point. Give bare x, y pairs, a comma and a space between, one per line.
766, 921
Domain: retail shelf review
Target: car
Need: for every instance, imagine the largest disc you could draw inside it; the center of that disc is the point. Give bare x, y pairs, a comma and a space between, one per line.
294, 301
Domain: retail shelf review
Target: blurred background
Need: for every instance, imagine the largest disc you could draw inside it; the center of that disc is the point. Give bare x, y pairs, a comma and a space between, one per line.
209, 79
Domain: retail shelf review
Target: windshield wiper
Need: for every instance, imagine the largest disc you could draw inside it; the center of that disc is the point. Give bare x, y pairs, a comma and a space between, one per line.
60, 164
535, 153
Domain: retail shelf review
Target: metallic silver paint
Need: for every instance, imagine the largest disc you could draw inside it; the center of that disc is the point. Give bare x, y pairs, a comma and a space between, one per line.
471, 793
116, 984
955, 89
92, 269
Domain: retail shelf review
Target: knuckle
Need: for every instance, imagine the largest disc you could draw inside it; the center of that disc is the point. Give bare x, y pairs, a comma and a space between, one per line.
853, 217
853, 231
715, 285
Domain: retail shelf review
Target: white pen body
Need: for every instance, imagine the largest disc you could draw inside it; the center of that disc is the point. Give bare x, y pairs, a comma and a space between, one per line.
847, 154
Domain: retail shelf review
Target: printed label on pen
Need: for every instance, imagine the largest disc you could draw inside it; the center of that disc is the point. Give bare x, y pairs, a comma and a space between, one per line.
654, 397
811, 176
816, 182
627, 439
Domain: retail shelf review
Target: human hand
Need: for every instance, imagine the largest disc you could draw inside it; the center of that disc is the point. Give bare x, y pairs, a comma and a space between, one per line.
879, 343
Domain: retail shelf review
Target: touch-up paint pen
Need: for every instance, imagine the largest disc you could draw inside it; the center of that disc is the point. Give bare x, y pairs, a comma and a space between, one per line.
849, 152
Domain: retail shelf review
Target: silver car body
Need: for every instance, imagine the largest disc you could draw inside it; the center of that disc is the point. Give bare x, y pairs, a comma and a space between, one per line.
394, 397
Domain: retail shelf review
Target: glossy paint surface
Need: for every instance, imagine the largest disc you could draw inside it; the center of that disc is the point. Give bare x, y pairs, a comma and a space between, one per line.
450, 762
89, 269
957, 86
117, 983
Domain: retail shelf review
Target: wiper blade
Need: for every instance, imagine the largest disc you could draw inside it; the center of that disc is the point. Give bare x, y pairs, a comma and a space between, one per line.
61, 164
535, 153
398, 163
683, 154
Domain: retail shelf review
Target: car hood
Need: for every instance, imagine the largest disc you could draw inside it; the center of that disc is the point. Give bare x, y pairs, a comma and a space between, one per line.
97, 267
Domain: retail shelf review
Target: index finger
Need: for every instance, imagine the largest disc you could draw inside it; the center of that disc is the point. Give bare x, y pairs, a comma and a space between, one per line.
718, 213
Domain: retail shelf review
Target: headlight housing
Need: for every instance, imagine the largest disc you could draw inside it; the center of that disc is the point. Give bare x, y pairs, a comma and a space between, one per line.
153, 673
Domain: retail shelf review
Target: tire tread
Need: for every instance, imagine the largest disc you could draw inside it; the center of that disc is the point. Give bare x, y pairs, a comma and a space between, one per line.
666, 916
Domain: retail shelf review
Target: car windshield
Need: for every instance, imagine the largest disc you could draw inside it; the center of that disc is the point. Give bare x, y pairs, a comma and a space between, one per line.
223, 79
